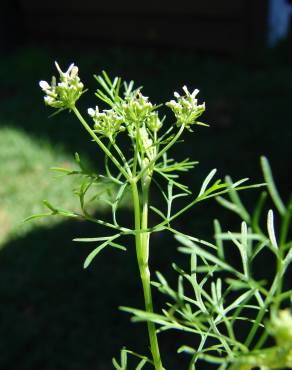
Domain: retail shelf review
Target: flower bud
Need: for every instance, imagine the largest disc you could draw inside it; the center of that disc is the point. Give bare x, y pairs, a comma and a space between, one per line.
280, 327
153, 122
136, 107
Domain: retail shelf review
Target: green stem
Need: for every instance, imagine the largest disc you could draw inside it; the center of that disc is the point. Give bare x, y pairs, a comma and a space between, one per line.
279, 278
121, 154
99, 142
261, 313
280, 263
160, 154
142, 251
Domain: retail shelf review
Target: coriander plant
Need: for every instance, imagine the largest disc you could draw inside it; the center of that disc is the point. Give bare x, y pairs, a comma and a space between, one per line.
146, 163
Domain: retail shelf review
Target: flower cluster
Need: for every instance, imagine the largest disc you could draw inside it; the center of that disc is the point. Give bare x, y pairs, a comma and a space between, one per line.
107, 123
137, 107
64, 94
139, 113
186, 108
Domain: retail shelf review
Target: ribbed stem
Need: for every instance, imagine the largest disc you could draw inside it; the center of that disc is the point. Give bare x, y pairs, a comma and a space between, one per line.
142, 251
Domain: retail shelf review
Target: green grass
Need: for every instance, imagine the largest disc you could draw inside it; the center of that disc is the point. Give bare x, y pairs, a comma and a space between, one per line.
26, 179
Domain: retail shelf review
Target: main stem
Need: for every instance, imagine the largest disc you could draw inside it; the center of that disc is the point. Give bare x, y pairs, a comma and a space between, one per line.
142, 251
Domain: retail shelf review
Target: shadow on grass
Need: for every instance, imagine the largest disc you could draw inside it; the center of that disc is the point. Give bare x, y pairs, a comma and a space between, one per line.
55, 315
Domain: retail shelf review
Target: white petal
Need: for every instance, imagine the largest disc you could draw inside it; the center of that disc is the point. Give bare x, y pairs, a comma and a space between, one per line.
185, 89
70, 68
63, 85
195, 93
49, 99
91, 112
74, 72
58, 68
44, 85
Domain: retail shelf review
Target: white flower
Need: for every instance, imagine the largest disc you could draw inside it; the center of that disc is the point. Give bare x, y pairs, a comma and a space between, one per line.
64, 94
107, 123
193, 94
186, 108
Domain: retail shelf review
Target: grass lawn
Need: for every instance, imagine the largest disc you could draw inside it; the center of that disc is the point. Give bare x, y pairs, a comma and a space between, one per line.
26, 180
55, 316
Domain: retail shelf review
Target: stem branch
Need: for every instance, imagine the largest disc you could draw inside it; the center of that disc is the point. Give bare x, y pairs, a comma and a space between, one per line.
99, 142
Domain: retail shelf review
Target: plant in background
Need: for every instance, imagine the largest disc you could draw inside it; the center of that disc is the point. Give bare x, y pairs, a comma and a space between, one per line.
134, 171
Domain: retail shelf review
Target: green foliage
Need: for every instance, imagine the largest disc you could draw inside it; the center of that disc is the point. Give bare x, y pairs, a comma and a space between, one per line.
224, 295
133, 172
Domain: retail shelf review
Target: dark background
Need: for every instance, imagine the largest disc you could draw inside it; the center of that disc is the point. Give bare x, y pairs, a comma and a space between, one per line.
53, 314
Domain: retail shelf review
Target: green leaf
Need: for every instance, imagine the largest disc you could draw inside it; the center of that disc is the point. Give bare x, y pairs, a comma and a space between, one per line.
116, 365
259, 248
59, 211
239, 301
219, 243
66, 171
128, 86
157, 211
227, 204
236, 200
117, 201
286, 224
40, 215
141, 364
91, 240
48, 205
191, 239
192, 248
207, 181
287, 260
268, 176
97, 250
242, 247
271, 231
255, 220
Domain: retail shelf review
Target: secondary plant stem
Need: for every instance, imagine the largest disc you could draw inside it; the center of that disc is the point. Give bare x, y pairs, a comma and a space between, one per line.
99, 142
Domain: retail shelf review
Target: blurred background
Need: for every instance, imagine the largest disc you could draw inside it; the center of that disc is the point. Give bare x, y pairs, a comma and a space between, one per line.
53, 314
